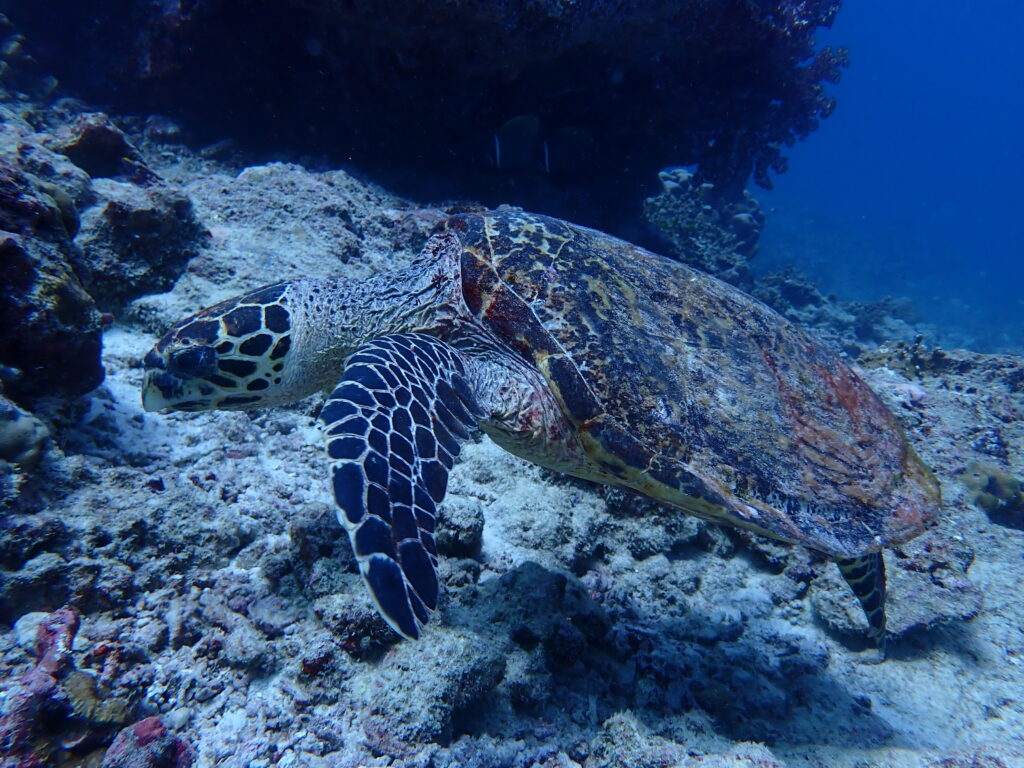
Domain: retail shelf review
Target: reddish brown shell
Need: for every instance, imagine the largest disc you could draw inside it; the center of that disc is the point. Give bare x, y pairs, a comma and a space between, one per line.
689, 390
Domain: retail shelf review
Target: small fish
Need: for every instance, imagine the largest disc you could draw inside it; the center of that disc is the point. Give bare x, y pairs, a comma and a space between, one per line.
522, 144
517, 144
568, 151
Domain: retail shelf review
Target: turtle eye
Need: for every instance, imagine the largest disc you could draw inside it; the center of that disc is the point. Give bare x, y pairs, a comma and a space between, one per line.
153, 360
194, 361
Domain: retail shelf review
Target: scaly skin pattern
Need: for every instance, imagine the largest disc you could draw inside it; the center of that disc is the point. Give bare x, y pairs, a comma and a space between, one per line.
286, 341
690, 391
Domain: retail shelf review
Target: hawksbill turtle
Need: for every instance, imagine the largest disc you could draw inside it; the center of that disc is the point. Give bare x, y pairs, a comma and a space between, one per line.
579, 352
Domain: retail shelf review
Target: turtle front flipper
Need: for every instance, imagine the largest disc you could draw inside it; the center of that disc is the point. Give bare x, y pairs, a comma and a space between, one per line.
866, 577
393, 428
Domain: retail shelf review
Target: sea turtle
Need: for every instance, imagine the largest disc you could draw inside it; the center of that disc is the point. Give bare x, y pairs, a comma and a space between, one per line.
577, 351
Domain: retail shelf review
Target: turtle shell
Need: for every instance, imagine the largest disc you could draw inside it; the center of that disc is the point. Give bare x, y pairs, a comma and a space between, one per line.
684, 388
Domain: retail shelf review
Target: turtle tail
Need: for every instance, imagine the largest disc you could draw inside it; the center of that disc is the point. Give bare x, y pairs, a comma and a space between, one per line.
866, 577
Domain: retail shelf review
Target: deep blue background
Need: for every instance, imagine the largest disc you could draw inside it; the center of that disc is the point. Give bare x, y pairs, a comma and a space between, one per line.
912, 187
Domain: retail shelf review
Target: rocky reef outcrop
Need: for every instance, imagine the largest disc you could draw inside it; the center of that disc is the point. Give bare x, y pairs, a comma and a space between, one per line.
85, 226
136, 240
50, 343
559, 107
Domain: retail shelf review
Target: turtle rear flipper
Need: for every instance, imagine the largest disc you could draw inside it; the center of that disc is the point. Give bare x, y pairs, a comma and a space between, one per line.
866, 577
394, 425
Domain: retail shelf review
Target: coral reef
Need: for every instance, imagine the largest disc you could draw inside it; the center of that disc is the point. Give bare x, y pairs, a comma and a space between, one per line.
720, 236
855, 326
703, 230
578, 626
616, 90
19, 71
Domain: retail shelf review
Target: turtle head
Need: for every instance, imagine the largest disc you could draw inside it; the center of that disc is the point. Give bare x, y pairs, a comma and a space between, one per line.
233, 355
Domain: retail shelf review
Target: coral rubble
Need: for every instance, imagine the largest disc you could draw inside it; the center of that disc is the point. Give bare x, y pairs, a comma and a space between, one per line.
55, 709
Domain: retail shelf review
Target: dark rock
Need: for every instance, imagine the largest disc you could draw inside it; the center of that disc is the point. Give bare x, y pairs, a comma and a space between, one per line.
353, 620
51, 327
246, 648
420, 687
51, 334
11, 481
100, 148
41, 583
315, 533
317, 658
113, 586
22, 537
645, 527
564, 645
625, 742
528, 681
276, 566
152, 635
136, 241
184, 624
53, 174
272, 615
536, 605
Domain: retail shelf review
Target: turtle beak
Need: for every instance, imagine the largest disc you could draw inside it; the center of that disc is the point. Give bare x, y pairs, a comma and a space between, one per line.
158, 391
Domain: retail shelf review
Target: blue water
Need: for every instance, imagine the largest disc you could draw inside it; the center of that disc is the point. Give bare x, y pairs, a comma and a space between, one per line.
912, 187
